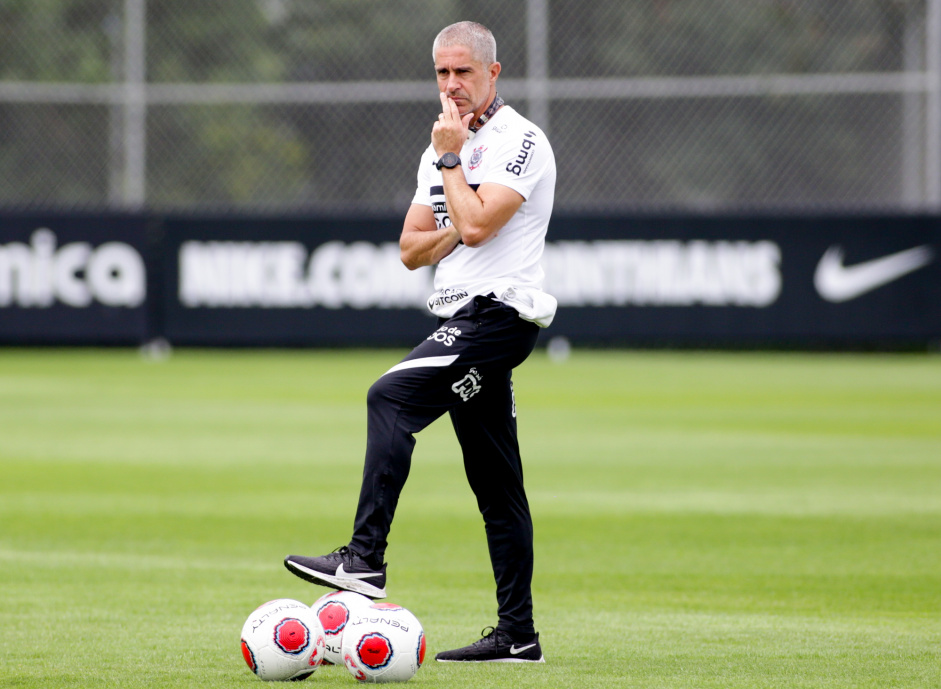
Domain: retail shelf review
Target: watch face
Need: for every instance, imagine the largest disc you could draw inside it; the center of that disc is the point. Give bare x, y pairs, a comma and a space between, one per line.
449, 160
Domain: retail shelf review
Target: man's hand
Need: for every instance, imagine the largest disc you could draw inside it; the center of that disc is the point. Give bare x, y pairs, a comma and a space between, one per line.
450, 131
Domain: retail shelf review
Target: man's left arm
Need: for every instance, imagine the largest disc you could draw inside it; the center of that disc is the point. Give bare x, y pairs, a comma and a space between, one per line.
478, 215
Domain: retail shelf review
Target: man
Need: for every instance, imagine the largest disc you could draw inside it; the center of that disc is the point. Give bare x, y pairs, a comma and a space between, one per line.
485, 191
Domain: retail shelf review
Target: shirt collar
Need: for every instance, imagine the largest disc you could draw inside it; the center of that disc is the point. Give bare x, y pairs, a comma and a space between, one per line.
488, 113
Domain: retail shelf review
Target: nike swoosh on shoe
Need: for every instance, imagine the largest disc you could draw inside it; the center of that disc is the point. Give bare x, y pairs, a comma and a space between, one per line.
343, 574
346, 582
516, 651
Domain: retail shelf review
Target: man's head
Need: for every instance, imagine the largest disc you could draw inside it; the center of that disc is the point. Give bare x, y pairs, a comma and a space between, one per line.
465, 57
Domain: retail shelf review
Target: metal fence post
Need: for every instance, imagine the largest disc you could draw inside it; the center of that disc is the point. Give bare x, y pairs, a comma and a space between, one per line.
135, 103
933, 107
537, 62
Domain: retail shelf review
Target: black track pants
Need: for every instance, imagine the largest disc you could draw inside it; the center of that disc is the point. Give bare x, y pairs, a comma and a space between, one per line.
463, 368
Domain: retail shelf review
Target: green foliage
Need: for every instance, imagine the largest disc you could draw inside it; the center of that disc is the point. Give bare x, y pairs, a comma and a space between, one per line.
208, 42
721, 38
702, 520
231, 163
51, 40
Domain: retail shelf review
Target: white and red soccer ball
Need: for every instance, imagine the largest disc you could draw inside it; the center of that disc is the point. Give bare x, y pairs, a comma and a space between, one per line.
383, 643
283, 640
334, 611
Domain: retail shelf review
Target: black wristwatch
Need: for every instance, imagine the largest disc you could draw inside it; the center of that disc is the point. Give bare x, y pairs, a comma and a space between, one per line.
448, 160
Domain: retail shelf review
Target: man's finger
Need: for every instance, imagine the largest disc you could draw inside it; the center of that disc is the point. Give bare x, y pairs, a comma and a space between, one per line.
449, 108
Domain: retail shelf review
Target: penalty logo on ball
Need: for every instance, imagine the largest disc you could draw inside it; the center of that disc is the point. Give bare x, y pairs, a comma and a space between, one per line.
333, 616
292, 636
374, 650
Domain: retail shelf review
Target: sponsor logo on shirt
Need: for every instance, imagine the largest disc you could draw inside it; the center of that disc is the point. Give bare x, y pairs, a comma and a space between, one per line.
446, 296
523, 158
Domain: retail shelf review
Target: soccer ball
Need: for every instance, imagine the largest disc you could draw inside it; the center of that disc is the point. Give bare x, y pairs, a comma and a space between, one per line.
383, 643
334, 610
282, 640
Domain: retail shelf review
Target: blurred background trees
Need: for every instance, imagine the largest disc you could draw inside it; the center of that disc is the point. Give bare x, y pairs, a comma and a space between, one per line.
303, 105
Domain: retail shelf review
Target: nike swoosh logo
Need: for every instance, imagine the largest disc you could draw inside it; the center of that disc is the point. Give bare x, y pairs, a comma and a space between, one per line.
516, 651
838, 283
355, 575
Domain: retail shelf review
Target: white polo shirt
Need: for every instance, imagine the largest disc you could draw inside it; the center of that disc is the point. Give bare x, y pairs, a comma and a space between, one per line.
512, 151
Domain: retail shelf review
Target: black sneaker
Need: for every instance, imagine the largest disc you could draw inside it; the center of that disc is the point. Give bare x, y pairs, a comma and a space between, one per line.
342, 569
497, 646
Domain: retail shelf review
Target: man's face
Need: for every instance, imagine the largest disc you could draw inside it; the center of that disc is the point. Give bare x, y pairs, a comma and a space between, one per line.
466, 80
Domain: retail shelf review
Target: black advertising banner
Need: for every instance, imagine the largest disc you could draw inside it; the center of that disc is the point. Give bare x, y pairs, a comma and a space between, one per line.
70, 279
710, 281
830, 280
735, 281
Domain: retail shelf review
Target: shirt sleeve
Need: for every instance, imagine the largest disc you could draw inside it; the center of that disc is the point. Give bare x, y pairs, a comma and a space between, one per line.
423, 182
522, 162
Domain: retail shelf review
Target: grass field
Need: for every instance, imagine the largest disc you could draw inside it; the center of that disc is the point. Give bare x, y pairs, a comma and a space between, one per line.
702, 520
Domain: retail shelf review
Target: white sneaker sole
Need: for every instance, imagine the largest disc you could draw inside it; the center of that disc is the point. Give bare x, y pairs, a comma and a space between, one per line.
343, 584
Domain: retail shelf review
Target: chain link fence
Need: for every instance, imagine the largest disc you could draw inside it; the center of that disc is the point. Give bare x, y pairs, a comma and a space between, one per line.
325, 105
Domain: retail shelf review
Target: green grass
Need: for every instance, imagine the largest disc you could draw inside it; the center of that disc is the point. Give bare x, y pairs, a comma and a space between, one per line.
702, 520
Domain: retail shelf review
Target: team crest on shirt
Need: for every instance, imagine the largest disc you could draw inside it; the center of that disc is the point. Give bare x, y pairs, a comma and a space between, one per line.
475, 157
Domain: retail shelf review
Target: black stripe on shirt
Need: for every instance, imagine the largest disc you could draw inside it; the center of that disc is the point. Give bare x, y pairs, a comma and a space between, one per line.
439, 190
